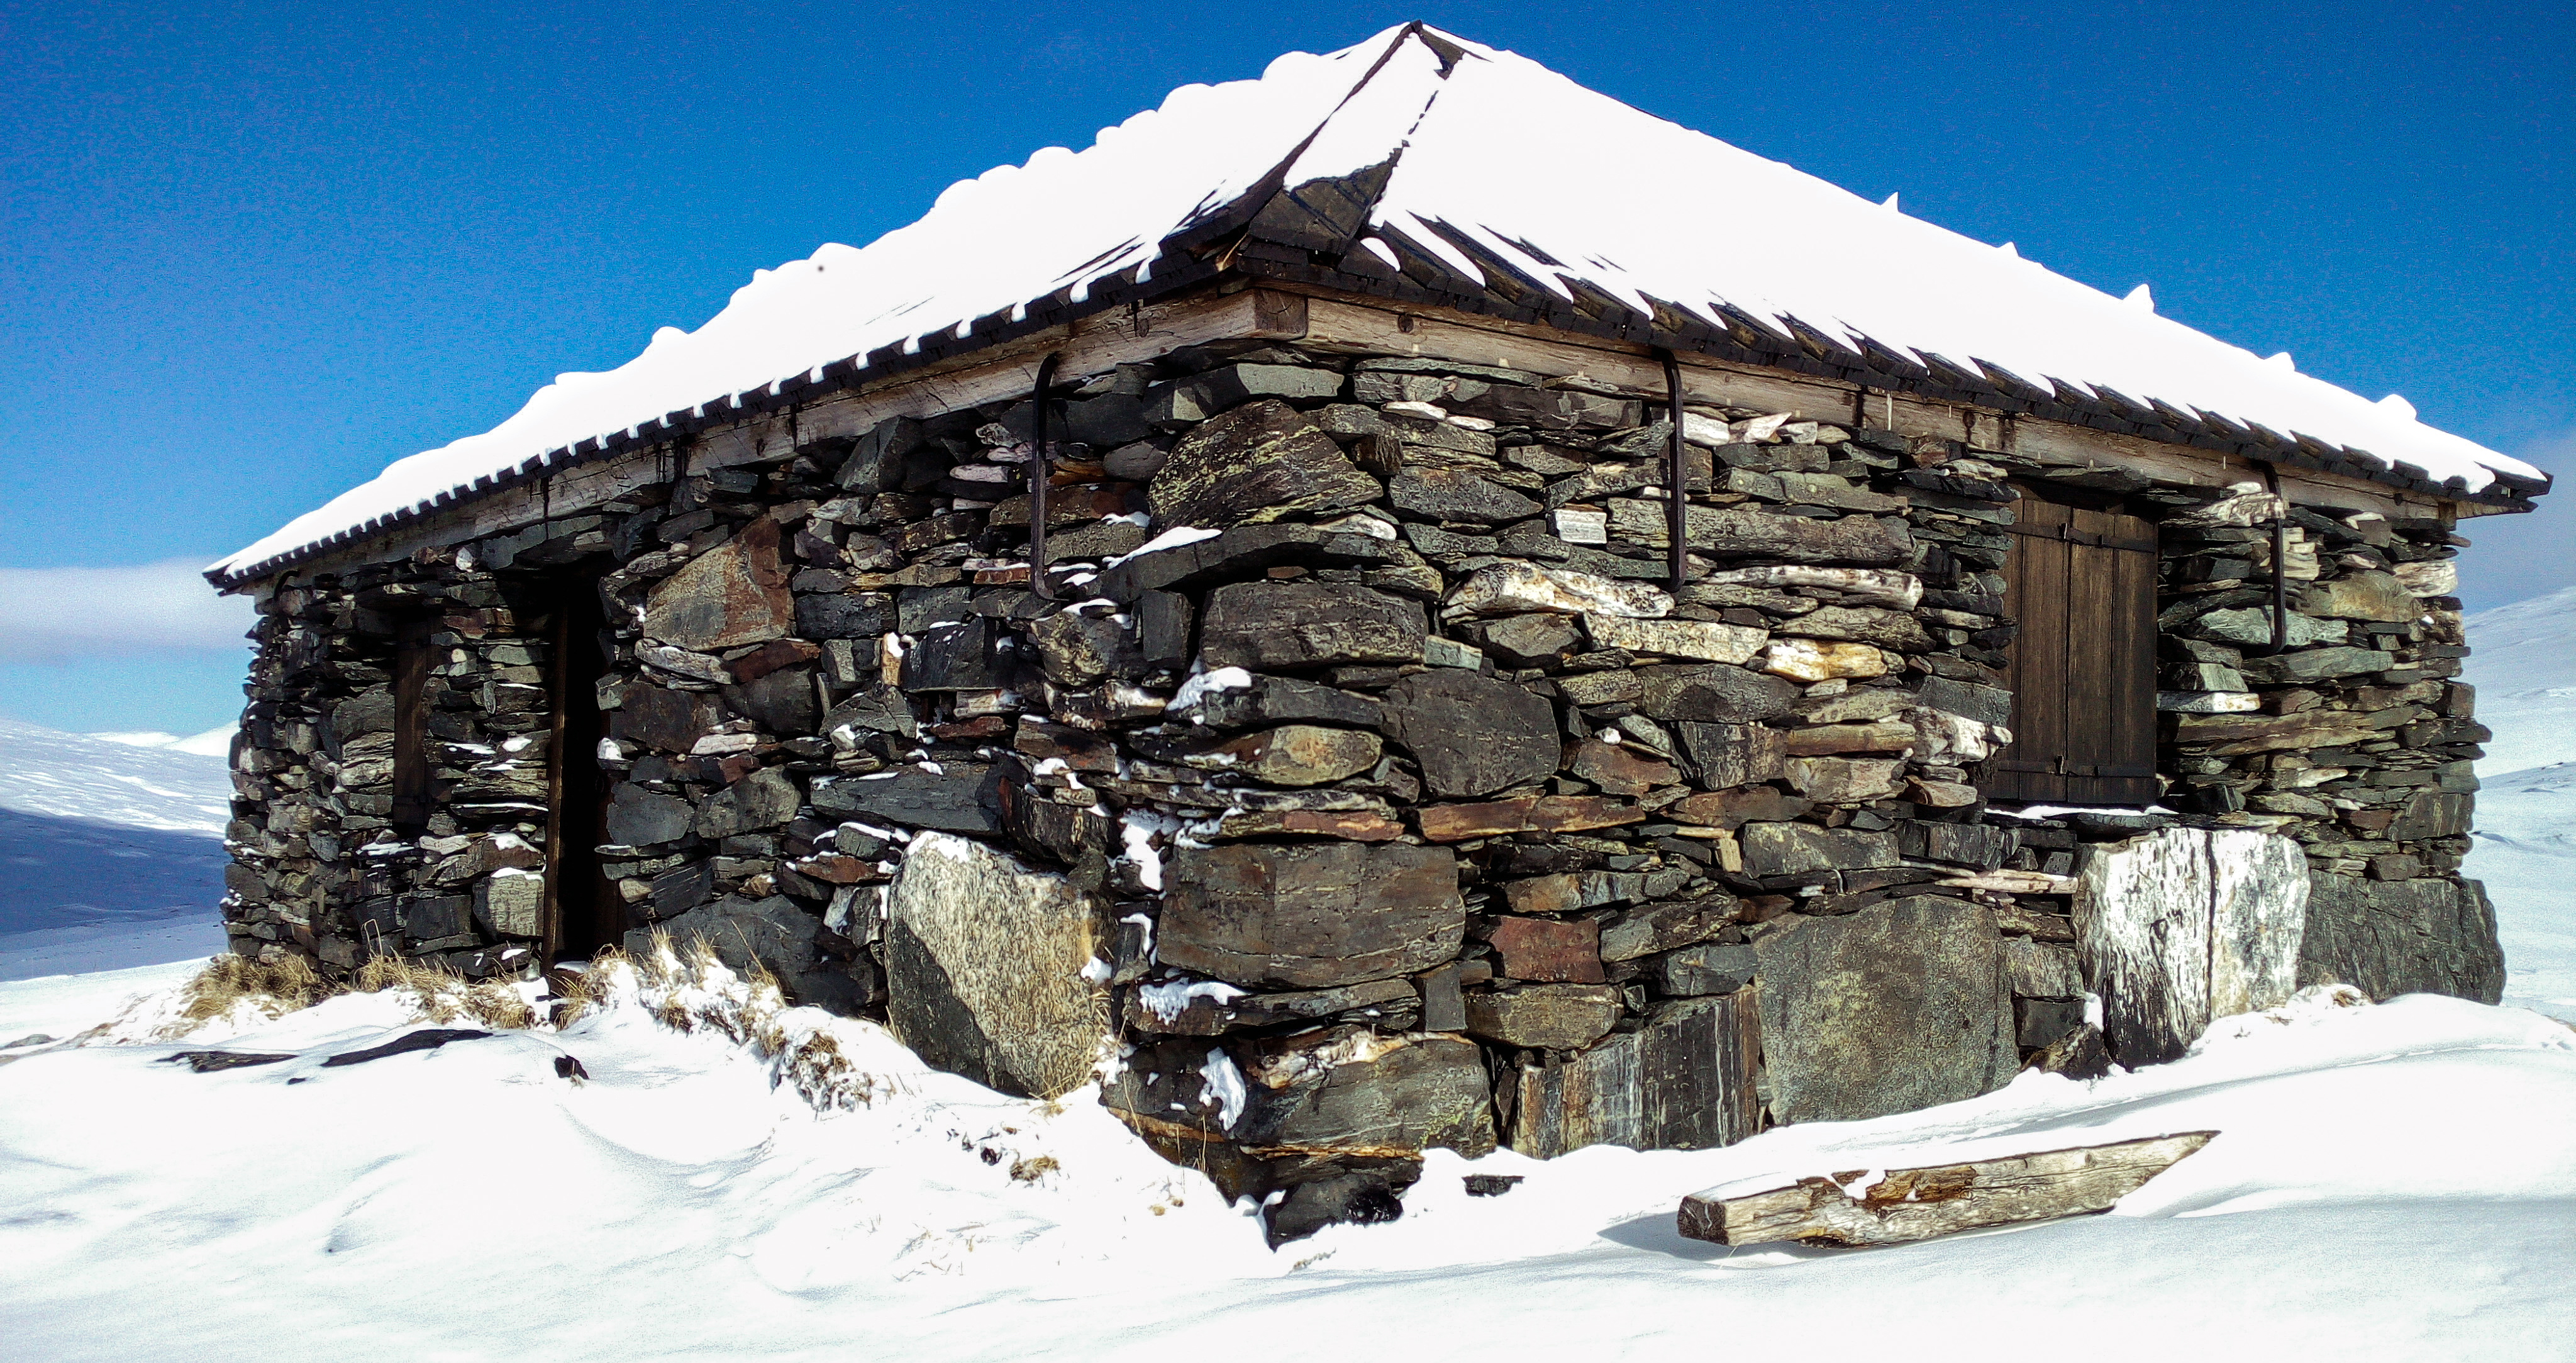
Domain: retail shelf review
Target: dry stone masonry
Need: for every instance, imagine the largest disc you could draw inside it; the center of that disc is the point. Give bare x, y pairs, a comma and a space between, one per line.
1363, 785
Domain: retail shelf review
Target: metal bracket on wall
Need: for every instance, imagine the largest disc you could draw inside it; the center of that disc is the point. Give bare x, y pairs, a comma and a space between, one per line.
1038, 478
1677, 509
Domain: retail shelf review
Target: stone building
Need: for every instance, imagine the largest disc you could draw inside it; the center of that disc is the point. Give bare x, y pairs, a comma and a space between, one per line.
1552, 630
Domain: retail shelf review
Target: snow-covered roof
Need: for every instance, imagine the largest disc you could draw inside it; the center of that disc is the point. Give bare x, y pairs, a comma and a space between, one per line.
1421, 163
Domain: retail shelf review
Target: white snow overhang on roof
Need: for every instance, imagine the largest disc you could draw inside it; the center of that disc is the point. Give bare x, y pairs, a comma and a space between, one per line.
1407, 163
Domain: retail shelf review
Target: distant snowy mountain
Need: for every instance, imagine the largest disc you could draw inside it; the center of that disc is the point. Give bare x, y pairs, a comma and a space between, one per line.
215, 742
111, 854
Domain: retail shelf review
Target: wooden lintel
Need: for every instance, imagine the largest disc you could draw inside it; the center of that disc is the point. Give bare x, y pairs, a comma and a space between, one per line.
1360, 325
1090, 345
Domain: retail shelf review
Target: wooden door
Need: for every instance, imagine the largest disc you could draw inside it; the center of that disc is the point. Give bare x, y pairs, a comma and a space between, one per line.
2080, 581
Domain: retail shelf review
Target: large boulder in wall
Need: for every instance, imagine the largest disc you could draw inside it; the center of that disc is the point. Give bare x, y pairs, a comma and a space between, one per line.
778, 937
1900, 1006
989, 965
2390, 937
733, 594
1473, 734
2184, 925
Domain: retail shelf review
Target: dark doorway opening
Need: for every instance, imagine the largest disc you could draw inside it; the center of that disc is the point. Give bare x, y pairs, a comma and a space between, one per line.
583, 912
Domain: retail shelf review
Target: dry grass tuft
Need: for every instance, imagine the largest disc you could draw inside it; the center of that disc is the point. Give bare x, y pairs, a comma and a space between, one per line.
274, 987
439, 994
1031, 1170
688, 989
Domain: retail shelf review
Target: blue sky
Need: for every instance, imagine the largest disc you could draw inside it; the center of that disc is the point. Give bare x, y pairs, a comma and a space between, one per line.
256, 252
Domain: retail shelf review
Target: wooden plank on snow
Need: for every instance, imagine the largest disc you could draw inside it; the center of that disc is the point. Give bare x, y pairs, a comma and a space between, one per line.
1867, 1207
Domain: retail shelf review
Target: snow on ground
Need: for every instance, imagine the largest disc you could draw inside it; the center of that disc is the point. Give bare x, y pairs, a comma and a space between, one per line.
2389, 1182
2523, 662
111, 853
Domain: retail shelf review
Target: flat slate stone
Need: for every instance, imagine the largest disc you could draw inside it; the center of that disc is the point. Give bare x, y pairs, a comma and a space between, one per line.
960, 798
1900, 1006
2391, 937
1241, 552
1968, 700
1529, 639
764, 799
1526, 814
1653, 928
1723, 756
1712, 693
2432, 814
1472, 734
642, 818
1787, 849
1685, 1080
1343, 1089
1256, 463
733, 594
1742, 532
2361, 596
1457, 495
1707, 641
1298, 754
959, 657
1079, 649
1279, 700
1545, 1017
985, 968
1308, 624
658, 717
780, 702
1205, 1016
843, 616
1549, 950
1710, 968
1310, 916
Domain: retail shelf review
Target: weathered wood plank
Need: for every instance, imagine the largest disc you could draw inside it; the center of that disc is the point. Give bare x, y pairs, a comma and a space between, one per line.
1870, 1207
1359, 324
1090, 345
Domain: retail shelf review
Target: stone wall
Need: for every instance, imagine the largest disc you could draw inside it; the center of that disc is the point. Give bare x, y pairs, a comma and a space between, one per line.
317, 867
1364, 778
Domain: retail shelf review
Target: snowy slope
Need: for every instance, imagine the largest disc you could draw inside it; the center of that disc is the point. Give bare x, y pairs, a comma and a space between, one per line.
2523, 662
2390, 1182
215, 742
111, 854
1723, 230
